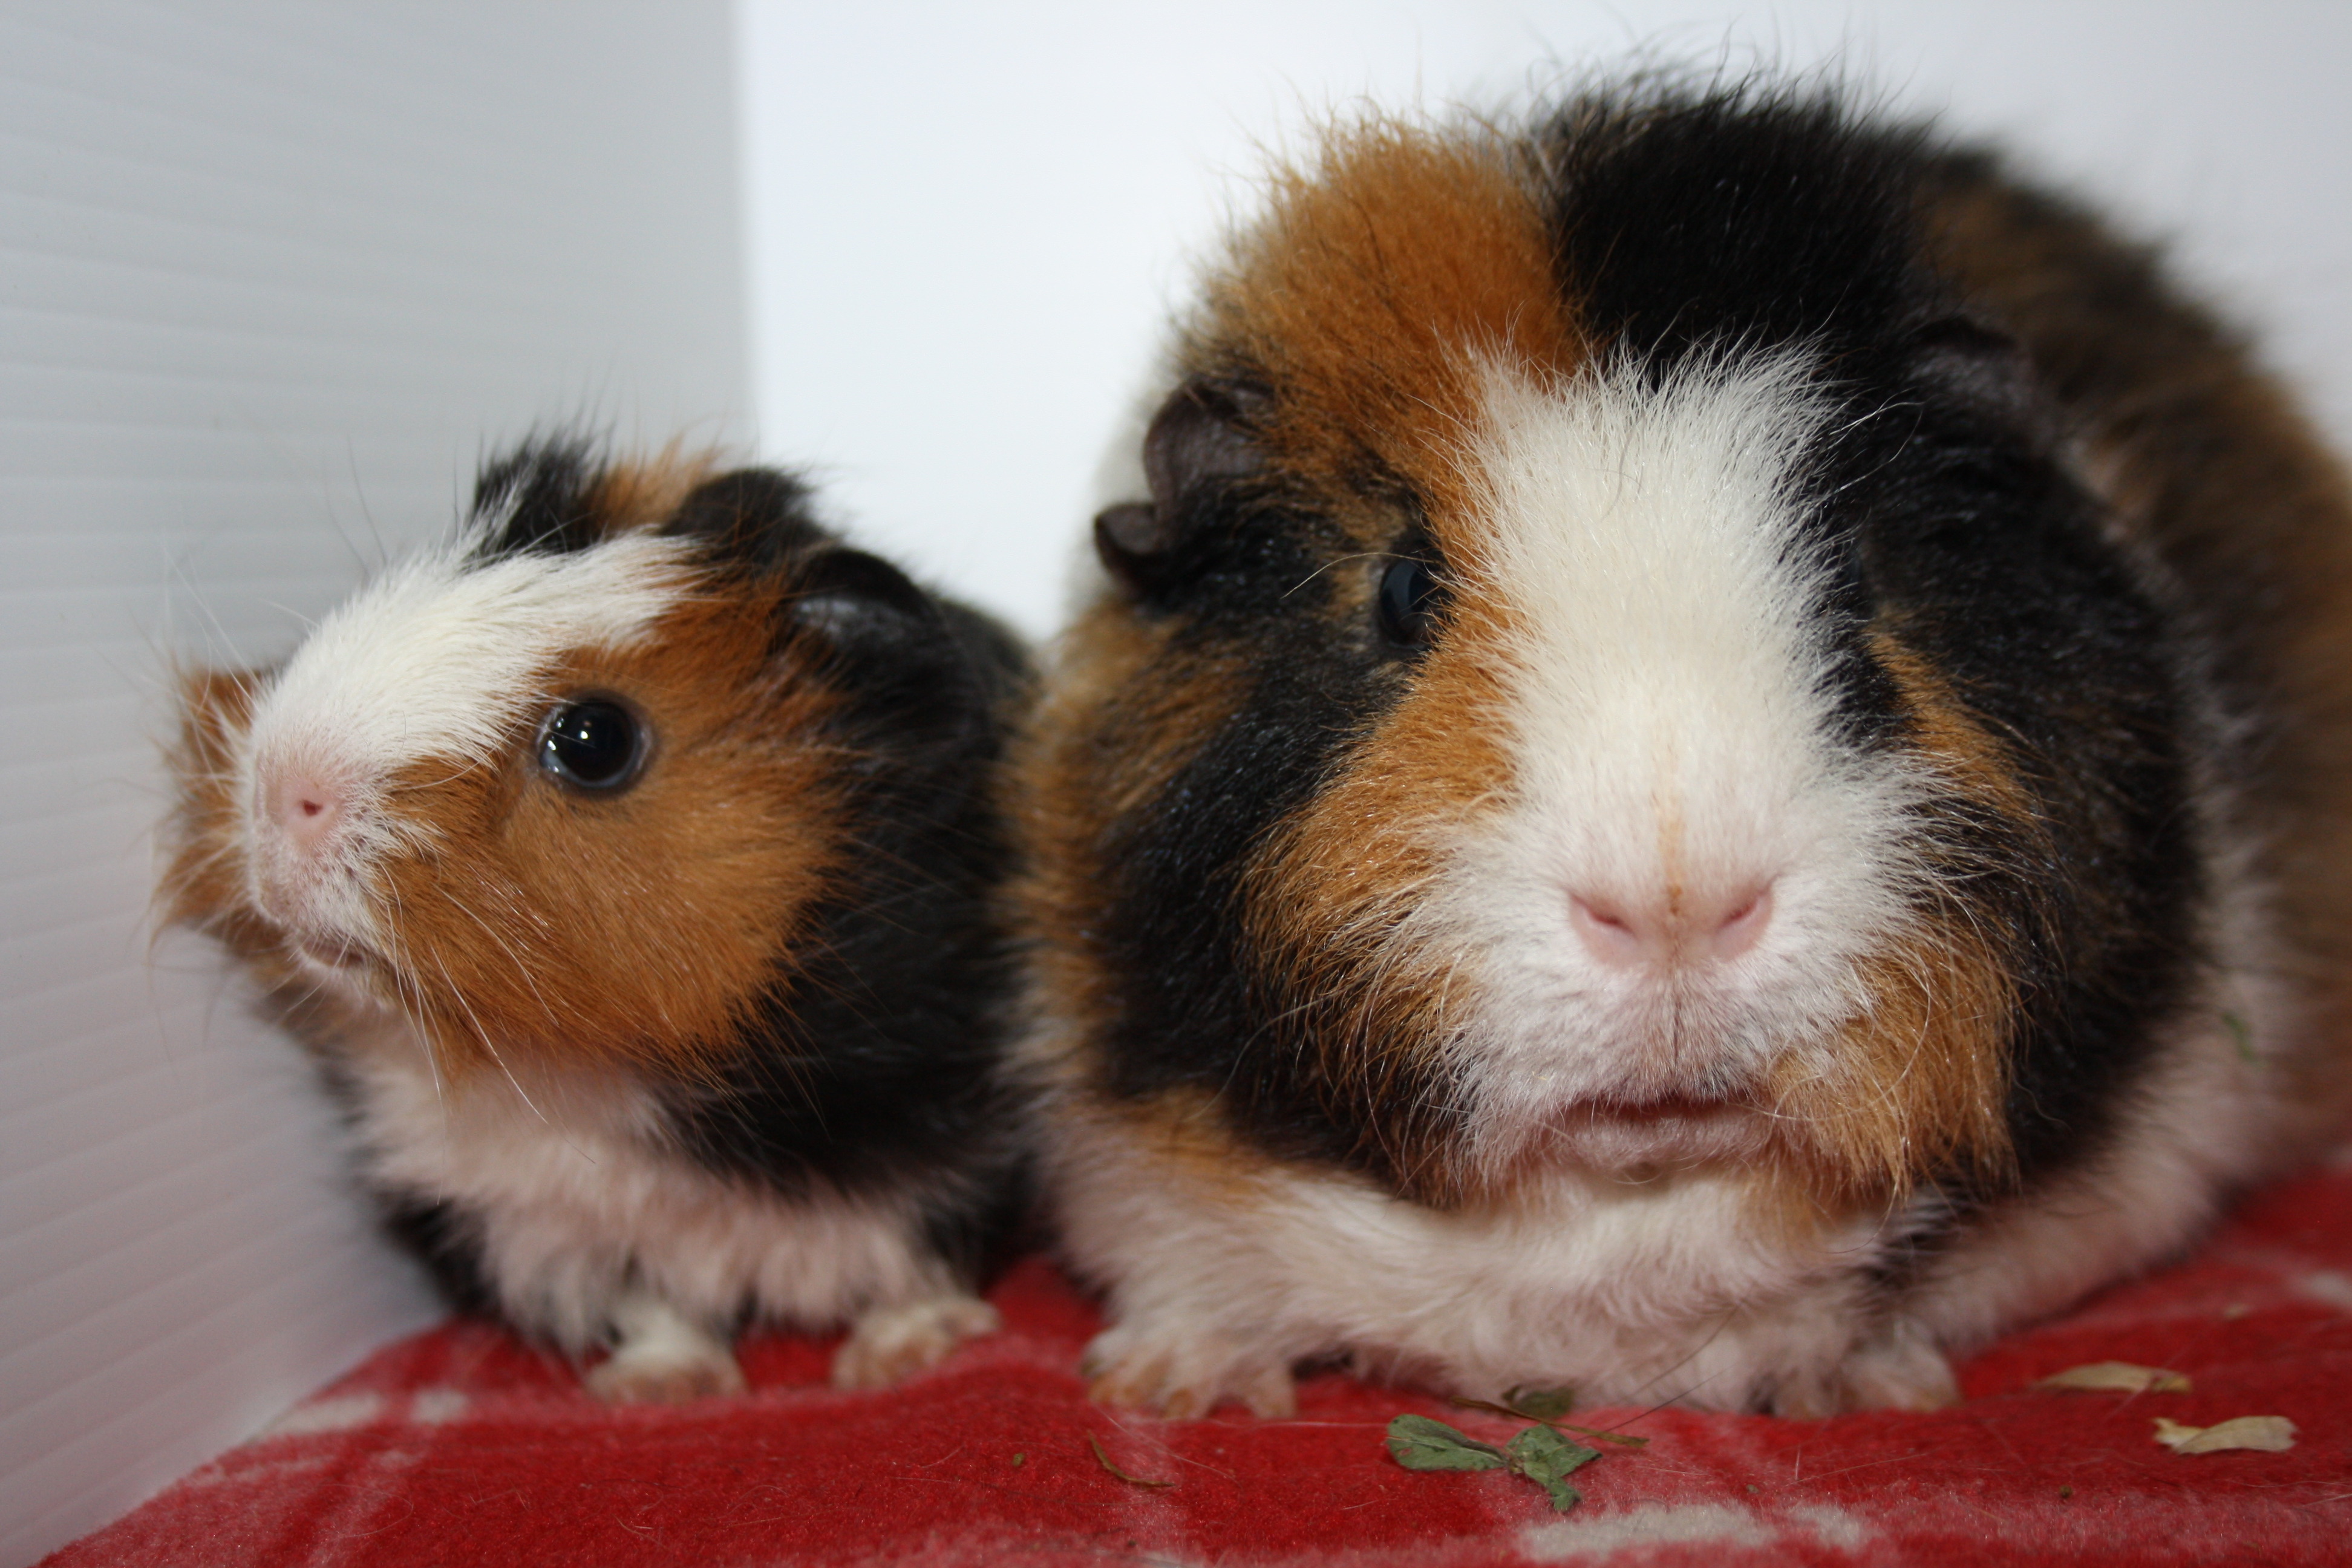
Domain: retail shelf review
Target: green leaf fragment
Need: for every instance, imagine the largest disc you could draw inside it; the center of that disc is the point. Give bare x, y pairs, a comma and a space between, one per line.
2243, 1032
1545, 1457
1418, 1443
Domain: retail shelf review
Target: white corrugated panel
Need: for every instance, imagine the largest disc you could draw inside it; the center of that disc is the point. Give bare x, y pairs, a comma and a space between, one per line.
271, 278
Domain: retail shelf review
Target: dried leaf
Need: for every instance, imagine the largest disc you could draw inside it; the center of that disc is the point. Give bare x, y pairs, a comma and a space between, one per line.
1540, 1404
1545, 1457
2117, 1377
2267, 1434
1104, 1461
1418, 1443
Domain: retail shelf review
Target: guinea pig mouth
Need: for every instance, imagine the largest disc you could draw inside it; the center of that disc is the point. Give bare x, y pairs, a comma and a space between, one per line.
332, 952
1674, 1129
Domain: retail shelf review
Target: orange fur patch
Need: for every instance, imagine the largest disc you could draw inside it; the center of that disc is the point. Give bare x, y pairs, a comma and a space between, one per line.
628, 495
1181, 1131
640, 926
1370, 293
1917, 1082
203, 883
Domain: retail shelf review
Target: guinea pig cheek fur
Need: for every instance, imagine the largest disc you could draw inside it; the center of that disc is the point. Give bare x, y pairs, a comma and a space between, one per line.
643, 925
1675, 880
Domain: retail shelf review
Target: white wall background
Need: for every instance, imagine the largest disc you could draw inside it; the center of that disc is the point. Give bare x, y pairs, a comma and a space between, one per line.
271, 273
969, 221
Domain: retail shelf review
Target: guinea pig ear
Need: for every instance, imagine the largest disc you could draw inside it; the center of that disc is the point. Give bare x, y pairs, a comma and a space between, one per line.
854, 600
1982, 362
1197, 443
756, 519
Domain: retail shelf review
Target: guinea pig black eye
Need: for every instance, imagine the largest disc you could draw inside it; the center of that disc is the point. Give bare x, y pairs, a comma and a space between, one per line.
595, 744
1408, 602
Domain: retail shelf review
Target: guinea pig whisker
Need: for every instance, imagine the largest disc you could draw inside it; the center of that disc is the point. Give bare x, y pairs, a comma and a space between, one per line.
1918, 411
469, 766
1722, 1322
1327, 565
410, 998
483, 1035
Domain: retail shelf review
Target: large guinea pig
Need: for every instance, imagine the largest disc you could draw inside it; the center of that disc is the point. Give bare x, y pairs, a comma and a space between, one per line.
627, 859
1714, 759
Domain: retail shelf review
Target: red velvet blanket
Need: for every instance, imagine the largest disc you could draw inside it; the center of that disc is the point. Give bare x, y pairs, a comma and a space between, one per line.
462, 1445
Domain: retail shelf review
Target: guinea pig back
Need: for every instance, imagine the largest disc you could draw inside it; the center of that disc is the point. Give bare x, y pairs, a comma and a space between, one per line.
627, 861
1708, 765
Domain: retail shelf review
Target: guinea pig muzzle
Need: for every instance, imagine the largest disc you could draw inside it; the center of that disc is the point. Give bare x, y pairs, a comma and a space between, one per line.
306, 827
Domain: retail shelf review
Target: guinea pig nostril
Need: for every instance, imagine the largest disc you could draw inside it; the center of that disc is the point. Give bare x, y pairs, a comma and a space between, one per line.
1743, 927
306, 807
1608, 931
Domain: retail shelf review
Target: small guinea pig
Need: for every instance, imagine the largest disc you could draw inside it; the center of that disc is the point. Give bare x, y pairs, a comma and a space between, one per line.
629, 860
1713, 760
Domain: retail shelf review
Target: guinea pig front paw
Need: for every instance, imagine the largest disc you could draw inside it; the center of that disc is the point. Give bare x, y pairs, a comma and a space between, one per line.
665, 1375
891, 1344
661, 1357
1183, 1374
1899, 1370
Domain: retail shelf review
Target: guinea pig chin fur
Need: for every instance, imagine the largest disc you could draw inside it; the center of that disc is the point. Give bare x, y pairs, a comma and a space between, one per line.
1678, 783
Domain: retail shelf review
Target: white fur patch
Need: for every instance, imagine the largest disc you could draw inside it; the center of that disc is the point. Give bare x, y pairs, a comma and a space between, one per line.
1668, 720
1628, 1291
582, 1210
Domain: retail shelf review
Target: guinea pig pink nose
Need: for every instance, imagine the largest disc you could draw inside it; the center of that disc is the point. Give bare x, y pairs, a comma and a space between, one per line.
1685, 929
306, 807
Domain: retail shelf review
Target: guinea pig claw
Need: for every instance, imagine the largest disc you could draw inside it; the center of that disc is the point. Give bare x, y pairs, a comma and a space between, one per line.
892, 1344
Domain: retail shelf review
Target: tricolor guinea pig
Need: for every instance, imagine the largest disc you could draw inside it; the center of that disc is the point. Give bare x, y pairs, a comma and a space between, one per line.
627, 859
1714, 759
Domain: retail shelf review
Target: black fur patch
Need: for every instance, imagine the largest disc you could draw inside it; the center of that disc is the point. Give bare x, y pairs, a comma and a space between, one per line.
534, 500
755, 520
1196, 1007
871, 1065
448, 1242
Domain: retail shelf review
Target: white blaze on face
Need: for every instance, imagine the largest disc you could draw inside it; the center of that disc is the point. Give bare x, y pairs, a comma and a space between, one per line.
1686, 865
439, 658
